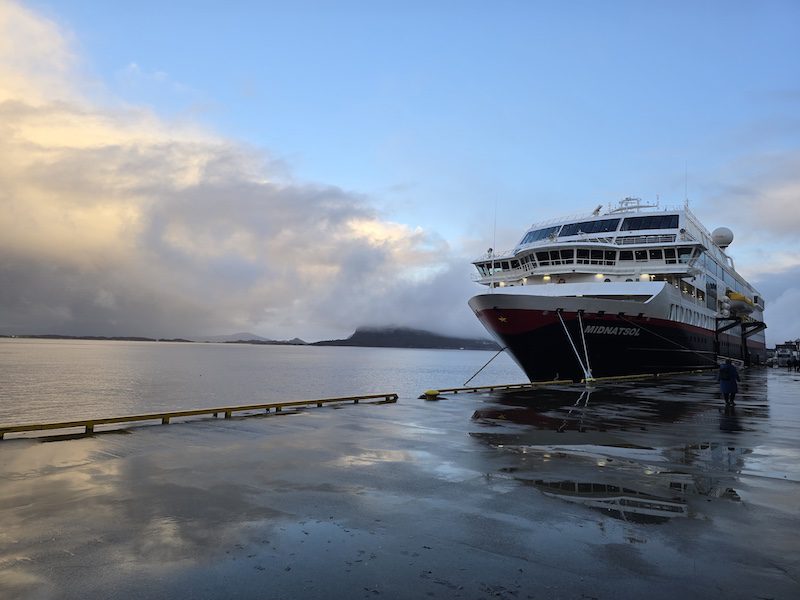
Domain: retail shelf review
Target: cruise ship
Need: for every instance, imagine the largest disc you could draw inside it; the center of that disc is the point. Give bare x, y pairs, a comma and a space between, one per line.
636, 289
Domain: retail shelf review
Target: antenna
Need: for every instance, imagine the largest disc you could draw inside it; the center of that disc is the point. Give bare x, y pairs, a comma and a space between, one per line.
494, 245
686, 184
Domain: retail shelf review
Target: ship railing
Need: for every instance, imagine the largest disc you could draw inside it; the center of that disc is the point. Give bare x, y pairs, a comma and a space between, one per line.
583, 239
496, 255
605, 267
565, 219
696, 222
644, 239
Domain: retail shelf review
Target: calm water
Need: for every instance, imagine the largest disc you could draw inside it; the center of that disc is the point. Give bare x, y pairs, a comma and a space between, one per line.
51, 380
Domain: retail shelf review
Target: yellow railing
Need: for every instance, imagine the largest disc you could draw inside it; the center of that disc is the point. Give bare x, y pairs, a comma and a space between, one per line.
164, 417
433, 393
646, 375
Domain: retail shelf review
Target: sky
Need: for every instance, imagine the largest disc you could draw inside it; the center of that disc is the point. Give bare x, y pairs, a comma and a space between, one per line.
178, 169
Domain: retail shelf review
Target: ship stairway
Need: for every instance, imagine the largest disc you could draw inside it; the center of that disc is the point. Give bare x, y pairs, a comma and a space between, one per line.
748, 328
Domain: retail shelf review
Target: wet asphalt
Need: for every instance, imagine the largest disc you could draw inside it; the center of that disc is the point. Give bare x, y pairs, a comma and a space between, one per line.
627, 490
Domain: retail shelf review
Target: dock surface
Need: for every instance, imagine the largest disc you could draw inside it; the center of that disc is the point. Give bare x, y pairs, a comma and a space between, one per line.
644, 489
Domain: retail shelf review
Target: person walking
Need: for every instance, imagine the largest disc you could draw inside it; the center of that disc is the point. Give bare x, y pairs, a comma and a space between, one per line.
728, 377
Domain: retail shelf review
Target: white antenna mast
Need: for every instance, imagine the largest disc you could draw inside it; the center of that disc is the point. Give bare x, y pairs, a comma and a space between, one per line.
494, 245
686, 183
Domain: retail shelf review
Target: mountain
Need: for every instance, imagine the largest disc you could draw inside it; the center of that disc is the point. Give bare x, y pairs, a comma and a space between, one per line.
403, 337
292, 342
249, 338
234, 337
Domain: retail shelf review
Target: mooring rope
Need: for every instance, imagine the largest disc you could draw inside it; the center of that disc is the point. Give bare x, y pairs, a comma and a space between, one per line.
585, 350
587, 375
713, 360
484, 366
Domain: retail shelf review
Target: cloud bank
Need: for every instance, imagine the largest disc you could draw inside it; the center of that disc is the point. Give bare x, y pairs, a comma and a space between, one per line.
758, 196
117, 222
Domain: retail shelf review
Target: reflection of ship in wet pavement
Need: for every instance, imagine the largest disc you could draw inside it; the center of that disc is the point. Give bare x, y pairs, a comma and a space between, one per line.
644, 452
617, 501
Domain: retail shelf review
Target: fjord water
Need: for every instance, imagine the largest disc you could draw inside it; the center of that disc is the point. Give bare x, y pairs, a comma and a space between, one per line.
52, 380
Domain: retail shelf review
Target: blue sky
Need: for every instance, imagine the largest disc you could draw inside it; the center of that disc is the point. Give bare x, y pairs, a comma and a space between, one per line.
433, 113
438, 109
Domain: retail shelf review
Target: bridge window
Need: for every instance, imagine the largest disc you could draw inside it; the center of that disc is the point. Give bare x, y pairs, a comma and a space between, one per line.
684, 254
601, 226
583, 256
568, 256
626, 254
539, 234
656, 255
543, 258
650, 222
597, 257
641, 255
669, 256
611, 257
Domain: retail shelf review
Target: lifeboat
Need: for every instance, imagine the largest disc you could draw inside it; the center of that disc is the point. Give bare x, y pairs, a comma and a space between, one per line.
740, 303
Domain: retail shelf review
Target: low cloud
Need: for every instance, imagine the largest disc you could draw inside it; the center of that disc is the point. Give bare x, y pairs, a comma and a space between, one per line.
761, 196
759, 200
781, 292
118, 222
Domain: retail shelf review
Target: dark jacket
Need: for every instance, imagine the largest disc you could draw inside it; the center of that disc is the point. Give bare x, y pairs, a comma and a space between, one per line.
728, 376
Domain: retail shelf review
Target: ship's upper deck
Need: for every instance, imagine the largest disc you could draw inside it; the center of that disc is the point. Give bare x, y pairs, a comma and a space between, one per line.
631, 241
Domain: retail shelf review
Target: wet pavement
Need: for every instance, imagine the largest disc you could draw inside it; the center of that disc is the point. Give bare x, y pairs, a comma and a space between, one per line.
639, 489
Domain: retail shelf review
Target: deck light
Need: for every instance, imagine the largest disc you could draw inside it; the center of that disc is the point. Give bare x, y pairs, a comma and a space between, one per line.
599, 275
644, 277
546, 277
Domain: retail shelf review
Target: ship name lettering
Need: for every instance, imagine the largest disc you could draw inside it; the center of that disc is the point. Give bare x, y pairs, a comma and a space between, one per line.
606, 330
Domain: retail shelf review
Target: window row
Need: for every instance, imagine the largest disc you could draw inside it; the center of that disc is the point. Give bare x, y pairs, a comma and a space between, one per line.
713, 268
602, 226
586, 256
650, 222
684, 286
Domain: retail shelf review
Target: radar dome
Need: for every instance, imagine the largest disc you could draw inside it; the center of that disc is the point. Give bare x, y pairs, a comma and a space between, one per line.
722, 237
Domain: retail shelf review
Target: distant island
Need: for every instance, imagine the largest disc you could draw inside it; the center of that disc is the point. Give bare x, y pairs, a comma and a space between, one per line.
370, 337
103, 338
403, 337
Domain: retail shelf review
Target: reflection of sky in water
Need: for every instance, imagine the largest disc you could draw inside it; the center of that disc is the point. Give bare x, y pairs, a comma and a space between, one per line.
57, 380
